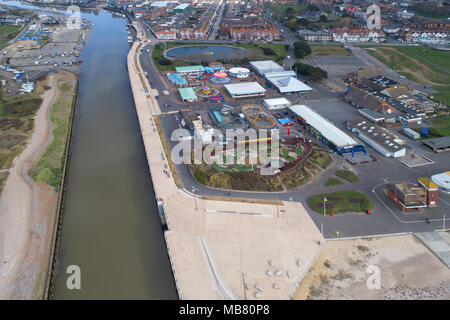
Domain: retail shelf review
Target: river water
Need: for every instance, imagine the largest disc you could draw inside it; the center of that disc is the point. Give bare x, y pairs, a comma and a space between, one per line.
111, 225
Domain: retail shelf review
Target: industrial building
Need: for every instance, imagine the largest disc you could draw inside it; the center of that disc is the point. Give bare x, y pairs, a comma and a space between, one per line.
324, 130
187, 94
244, 90
377, 117
443, 181
377, 137
411, 133
276, 103
438, 144
262, 67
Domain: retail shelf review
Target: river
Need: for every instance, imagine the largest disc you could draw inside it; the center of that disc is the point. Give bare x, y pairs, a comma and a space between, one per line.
111, 225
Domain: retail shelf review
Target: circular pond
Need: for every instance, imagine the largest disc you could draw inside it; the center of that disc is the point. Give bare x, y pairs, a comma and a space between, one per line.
206, 53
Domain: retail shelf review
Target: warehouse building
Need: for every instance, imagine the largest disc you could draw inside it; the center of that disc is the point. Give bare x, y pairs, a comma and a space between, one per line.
438, 144
245, 90
411, 133
377, 137
262, 67
276, 103
325, 131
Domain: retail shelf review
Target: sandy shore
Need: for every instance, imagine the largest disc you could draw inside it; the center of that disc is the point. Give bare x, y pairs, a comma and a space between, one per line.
28, 213
408, 271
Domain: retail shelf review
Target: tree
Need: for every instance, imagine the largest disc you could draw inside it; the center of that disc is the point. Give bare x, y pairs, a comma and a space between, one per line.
301, 49
164, 61
313, 7
269, 51
303, 22
318, 73
308, 70
323, 18
290, 11
346, 21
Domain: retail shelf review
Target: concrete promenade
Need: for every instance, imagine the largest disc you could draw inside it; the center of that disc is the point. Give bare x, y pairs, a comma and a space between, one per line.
218, 248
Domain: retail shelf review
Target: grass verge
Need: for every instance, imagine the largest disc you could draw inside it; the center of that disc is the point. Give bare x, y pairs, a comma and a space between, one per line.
344, 201
333, 182
173, 168
348, 175
49, 168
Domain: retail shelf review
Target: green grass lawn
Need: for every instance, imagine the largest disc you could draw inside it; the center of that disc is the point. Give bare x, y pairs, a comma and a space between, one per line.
348, 175
421, 64
345, 201
286, 155
442, 124
440, 128
333, 182
7, 32
280, 9
299, 150
318, 50
49, 168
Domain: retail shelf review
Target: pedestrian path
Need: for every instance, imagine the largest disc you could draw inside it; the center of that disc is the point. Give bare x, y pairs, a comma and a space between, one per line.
437, 244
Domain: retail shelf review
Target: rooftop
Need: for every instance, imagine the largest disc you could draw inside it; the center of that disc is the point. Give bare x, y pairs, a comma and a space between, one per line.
244, 88
438, 143
190, 68
277, 101
187, 93
383, 138
328, 130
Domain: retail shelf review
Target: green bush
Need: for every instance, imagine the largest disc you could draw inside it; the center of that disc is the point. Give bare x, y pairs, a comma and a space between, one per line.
200, 175
164, 61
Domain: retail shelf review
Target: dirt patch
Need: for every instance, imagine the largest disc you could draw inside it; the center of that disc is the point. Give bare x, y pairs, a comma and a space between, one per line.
408, 270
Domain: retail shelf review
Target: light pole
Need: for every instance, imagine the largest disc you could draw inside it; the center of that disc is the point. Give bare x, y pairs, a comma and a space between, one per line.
195, 198
277, 208
324, 206
243, 284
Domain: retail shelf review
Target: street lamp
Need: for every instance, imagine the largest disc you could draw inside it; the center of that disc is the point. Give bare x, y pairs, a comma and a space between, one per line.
243, 284
324, 206
195, 198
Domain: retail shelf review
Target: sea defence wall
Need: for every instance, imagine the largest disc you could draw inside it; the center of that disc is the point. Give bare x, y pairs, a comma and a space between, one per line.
222, 249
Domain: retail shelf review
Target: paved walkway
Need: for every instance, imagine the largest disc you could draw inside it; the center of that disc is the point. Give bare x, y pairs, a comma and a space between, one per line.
216, 247
437, 244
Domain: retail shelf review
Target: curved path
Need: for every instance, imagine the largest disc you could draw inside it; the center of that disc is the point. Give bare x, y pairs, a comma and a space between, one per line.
27, 214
